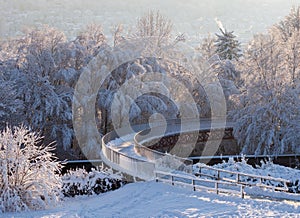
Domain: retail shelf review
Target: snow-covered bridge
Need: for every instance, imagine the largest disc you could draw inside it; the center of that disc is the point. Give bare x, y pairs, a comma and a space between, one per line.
130, 153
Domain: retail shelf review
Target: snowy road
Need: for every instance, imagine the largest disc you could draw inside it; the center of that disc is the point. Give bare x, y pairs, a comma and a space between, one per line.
150, 199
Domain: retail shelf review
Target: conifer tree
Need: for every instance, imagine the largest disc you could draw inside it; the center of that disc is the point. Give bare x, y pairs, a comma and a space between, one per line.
227, 46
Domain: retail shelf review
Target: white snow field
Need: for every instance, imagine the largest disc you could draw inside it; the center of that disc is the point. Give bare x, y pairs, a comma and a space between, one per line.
151, 199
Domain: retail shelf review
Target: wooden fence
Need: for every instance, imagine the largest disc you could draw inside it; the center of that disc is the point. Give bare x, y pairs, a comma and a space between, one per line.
221, 184
260, 181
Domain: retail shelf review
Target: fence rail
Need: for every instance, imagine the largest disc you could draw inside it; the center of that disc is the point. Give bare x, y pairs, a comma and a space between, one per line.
220, 184
197, 184
239, 175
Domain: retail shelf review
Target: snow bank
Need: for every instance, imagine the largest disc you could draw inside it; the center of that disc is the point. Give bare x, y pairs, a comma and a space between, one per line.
150, 199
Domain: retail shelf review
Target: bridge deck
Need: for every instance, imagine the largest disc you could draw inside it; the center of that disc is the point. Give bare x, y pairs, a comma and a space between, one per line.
119, 152
125, 144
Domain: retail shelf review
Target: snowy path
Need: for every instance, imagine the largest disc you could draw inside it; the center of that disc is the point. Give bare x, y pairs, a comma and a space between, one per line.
150, 199
125, 145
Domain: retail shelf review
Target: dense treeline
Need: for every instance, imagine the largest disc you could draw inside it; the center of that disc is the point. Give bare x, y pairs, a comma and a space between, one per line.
38, 75
39, 71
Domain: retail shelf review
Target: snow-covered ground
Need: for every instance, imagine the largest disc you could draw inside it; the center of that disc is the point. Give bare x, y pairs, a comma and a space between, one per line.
150, 199
267, 169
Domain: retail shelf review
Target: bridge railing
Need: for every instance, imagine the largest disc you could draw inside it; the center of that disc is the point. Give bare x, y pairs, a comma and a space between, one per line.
142, 168
125, 163
161, 160
171, 127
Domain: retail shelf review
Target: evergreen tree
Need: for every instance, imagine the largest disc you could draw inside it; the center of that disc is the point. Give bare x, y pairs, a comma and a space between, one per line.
227, 46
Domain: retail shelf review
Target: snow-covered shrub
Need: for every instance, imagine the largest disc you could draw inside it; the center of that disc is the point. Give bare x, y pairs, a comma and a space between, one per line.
29, 172
275, 170
81, 182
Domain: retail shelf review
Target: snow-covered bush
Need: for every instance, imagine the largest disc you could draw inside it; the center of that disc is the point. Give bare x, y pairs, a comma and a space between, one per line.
279, 171
81, 182
29, 172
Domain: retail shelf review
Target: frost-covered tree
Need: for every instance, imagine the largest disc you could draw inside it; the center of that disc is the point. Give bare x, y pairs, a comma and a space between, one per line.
265, 125
117, 32
287, 35
39, 71
46, 104
230, 79
291, 53
289, 25
10, 105
225, 70
268, 120
227, 46
154, 24
87, 44
29, 172
92, 37
207, 48
145, 105
153, 101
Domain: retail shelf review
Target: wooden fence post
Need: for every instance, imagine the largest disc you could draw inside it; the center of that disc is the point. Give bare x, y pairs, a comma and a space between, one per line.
172, 179
217, 187
237, 178
193, 183
242, 191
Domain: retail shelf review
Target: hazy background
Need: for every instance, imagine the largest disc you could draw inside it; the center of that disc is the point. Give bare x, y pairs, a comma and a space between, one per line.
195, 18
